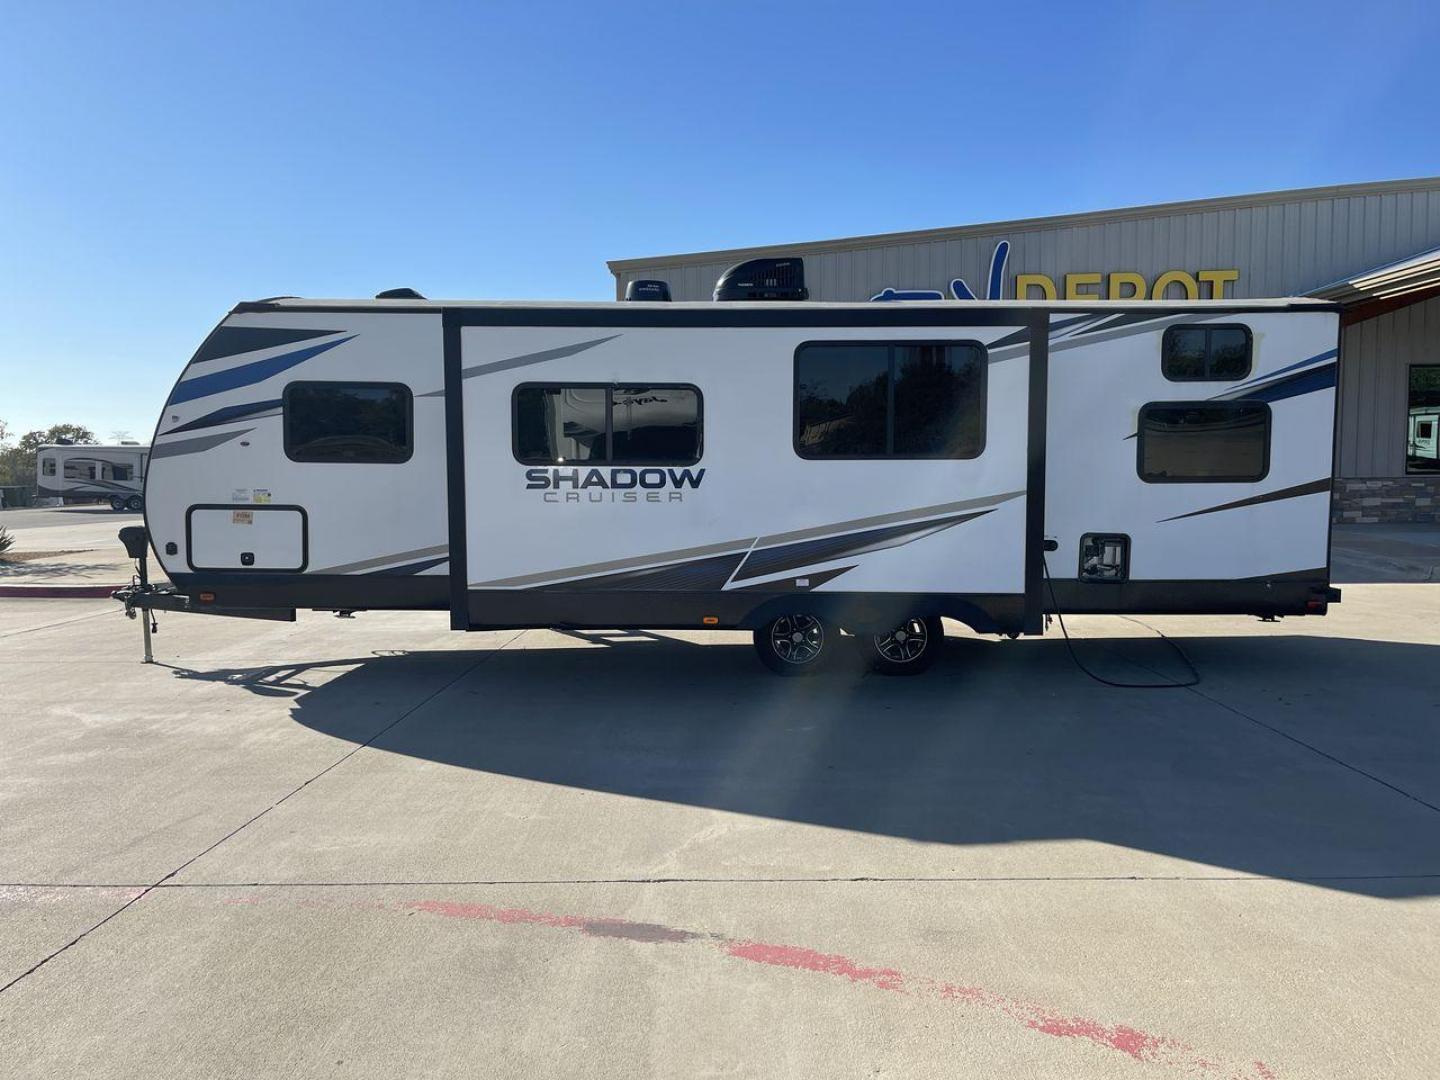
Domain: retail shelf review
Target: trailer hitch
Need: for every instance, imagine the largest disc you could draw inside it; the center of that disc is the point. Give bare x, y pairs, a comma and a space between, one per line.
140, 596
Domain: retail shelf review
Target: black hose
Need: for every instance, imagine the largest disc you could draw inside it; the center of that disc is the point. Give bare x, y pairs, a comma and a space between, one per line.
1194, 679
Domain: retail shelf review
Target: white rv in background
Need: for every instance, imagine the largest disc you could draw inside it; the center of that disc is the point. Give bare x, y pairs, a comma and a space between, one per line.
795, 469
80, 473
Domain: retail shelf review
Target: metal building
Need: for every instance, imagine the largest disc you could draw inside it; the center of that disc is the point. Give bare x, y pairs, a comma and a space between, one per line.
1374, 248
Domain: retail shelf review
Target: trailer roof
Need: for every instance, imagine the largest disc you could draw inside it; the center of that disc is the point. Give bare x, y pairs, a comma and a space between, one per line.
297, 303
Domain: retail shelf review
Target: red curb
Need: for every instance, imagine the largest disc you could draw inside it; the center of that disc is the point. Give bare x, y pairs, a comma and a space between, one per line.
60, 592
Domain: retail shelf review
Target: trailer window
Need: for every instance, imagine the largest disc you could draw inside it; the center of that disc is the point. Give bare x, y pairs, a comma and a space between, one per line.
1204, 441
644, 424
357, 423
47, 466
890, 400
79, 470
1205, 353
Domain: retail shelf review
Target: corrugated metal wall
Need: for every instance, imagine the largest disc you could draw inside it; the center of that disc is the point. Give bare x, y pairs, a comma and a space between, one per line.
1283, 245
1281, 248
1375, 385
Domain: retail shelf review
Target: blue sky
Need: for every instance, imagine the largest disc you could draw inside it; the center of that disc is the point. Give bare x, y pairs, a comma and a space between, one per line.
162, 162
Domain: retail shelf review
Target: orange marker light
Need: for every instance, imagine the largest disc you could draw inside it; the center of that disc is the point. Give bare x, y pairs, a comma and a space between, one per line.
711, 620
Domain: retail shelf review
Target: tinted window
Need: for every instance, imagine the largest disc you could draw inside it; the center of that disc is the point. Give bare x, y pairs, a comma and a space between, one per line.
79, 470
1219, 353
555, 424
1204, 441
622, 425
939, 401
121, 472
47, 466
1422, 441
655, 424
348, 422
844, 393
873, 399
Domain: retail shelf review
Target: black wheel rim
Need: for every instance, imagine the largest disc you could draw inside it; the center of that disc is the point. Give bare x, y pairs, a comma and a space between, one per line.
797, 639
906, 643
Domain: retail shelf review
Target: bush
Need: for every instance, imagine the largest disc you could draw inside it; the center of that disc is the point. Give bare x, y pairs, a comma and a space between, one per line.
6, 540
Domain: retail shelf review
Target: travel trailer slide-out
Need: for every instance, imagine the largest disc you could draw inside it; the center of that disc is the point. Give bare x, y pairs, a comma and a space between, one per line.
805, 471
79, 473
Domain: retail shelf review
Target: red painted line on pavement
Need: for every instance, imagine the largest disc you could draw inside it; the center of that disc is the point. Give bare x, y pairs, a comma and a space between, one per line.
1122, 1038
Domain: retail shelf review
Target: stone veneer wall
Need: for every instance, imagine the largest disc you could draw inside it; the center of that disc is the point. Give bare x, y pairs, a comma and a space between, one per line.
1372, 500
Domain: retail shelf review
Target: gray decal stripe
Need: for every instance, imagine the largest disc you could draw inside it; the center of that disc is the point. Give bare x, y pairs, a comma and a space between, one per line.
887, 519
407, 569
533, 358
382, 560
657, 559
194, 446
1314, 487
660, 558
763, 562
1097, 336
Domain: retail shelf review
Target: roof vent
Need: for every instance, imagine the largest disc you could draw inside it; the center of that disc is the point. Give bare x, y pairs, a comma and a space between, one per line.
764, 279
647, 290
398, 294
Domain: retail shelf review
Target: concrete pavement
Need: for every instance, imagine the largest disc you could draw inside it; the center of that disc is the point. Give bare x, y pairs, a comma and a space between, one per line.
377, 848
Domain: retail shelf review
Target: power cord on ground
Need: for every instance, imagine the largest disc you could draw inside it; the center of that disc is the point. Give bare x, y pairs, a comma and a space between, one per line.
1194, 679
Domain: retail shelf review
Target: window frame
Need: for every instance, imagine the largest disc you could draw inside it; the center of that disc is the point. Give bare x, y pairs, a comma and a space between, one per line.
348, 383
609, 388
1206, 403
1405, 436
891, 344
1207, 327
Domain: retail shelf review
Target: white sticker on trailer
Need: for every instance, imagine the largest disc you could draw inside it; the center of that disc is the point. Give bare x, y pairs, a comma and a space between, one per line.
242, 517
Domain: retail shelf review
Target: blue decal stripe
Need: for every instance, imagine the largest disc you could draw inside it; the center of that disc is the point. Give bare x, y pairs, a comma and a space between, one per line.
226, 415
1304, 382
245, 374
1331, 355
997, 270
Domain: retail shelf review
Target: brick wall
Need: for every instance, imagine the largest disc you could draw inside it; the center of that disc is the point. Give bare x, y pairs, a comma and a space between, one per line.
1387, 499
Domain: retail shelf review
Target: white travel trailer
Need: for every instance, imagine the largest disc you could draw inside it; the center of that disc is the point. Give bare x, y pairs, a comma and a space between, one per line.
80, 473
795, 469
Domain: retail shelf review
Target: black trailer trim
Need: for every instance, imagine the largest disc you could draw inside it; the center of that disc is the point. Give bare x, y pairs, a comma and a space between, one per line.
953, 313
455, 470
258, 589
1039, 396
1305, 593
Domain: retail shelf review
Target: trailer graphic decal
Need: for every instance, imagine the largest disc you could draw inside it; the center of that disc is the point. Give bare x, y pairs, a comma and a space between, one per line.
248, 374
527, 359
1314, 487
250, 411
228, 341
440, 550
195, 445
757, 557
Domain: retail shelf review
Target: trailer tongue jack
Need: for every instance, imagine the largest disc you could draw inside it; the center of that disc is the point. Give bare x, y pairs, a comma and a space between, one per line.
146, 599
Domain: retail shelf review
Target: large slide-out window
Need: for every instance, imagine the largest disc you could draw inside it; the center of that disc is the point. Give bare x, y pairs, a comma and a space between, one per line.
647, 424
890, 399
1204, 442
358, 423
1422, 432
1205, 353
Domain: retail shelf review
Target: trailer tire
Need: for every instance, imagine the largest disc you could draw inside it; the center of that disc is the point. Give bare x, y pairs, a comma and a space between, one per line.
117, 502
135, 503
796, 644
909, 649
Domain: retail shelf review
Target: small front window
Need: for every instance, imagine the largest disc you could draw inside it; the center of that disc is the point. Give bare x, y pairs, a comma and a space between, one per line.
1205, 353
355, 423
47, 466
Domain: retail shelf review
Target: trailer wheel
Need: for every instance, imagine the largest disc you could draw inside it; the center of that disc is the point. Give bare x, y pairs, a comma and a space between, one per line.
797, 644
909, 649
135, 503
117, 502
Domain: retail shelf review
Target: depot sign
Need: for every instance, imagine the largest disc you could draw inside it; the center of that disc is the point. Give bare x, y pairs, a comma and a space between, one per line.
1080, 285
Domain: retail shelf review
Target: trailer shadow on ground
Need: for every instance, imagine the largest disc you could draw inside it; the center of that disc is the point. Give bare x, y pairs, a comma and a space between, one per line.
1280, 764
